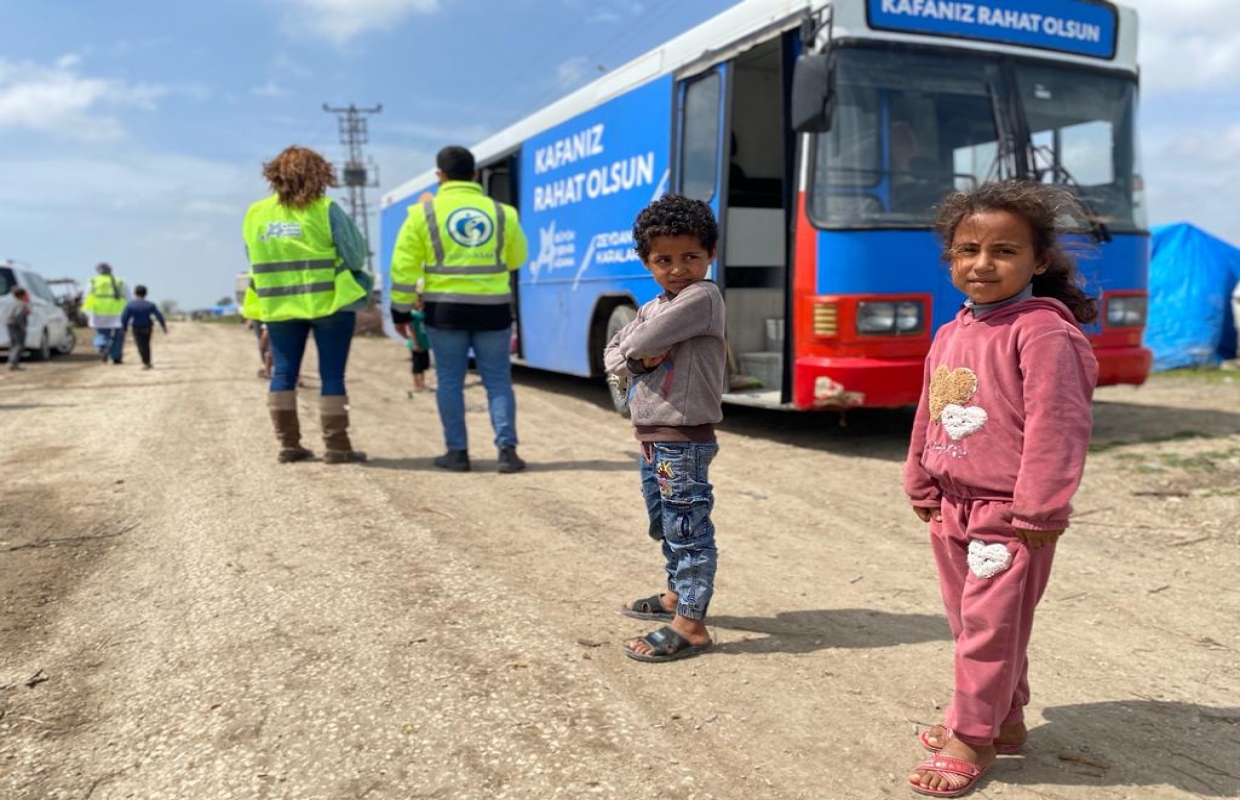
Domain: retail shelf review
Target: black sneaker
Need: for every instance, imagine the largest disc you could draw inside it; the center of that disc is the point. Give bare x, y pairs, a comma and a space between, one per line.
453, 461
509, 461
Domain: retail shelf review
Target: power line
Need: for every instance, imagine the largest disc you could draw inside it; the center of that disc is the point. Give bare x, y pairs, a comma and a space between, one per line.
354, 134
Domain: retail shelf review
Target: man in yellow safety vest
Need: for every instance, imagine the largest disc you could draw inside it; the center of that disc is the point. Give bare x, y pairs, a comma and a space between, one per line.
104, 304
463, 245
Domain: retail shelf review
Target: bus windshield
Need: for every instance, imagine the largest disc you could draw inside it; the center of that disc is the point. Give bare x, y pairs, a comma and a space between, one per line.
908, 127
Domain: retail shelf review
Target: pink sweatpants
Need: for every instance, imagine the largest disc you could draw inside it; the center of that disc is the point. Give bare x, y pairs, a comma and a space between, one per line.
991, 618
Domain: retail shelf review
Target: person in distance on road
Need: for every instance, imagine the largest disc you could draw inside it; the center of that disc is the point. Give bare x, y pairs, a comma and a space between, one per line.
308, 274
138, 312
104, 304
676, 359
17, 319
997, 451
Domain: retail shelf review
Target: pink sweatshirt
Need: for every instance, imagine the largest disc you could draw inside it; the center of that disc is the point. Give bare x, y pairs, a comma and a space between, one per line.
1005, 412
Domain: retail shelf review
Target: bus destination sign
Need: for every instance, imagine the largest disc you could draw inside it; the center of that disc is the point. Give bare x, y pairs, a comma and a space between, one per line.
1080, 27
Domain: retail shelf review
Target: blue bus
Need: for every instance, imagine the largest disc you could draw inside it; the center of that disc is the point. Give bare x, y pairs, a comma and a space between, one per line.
823, 134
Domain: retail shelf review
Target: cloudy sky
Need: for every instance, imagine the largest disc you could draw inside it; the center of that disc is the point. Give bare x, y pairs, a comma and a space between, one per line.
134, 132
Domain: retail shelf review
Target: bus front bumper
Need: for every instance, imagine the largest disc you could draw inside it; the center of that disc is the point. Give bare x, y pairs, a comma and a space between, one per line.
823, 382
1123, 365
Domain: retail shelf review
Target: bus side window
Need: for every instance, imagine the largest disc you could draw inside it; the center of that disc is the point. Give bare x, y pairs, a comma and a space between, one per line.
700, 138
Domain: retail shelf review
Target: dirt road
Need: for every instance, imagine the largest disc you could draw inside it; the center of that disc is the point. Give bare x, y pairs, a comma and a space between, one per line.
185, 618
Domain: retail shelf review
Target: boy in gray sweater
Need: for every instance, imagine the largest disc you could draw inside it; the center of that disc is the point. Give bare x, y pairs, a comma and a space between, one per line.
674, 355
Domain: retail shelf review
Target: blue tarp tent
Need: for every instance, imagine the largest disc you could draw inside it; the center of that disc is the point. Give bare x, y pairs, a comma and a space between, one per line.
1192, 277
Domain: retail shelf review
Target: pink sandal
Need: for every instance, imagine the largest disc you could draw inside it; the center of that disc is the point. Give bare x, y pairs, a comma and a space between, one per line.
961, 776
1000, 749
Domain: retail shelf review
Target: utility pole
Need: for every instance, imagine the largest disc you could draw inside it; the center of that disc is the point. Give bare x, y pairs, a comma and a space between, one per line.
357, 178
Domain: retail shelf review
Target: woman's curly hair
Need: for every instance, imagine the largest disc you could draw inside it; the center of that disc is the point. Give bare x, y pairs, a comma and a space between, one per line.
1050, 212
675, 215
299, 176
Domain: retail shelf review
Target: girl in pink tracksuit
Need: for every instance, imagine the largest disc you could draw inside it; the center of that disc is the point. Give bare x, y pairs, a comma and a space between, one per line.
997, 452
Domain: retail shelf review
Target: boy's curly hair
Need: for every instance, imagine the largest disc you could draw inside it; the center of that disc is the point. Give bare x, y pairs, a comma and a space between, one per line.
1050, 212
299, 176
674, 215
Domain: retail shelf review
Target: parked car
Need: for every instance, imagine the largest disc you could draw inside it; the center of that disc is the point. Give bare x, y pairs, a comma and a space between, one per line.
48, 330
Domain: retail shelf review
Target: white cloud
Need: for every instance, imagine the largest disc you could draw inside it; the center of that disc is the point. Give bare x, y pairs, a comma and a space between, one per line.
339, 21
269, 89
170, 221
214, 208
439, 134
1191, 175
290, 66
1188, 44
59, 100
573, 72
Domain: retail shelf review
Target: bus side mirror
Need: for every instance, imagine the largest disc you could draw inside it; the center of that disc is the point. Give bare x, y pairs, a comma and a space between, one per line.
812, 94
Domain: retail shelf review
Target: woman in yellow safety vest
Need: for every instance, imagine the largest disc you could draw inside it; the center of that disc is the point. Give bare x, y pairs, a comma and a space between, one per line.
308, 274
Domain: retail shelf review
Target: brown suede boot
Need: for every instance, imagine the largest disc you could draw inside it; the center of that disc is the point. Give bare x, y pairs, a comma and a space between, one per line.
283, 407
334, 419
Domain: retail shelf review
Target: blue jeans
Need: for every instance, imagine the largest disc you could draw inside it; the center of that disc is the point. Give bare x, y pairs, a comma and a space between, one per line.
679, 499
112, 341
332, 336
492, 353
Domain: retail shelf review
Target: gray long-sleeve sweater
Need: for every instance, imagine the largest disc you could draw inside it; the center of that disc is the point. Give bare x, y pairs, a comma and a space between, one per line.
687, 388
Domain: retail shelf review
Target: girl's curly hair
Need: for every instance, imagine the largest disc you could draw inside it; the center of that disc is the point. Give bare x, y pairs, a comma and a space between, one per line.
299, 176
674, 215
1050, 212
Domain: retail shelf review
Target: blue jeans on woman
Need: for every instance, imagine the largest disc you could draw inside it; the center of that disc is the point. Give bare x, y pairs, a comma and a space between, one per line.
333, 336
492, 351
679, 499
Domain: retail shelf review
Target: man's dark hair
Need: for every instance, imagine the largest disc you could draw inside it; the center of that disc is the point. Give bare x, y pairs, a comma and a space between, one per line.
456, 163
674, 215
140, 290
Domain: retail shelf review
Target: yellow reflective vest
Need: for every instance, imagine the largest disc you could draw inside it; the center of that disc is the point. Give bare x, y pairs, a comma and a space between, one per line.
295, 271
461, 244
105, 302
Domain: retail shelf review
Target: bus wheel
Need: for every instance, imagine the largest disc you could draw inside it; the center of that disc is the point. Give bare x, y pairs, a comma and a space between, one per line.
619, 387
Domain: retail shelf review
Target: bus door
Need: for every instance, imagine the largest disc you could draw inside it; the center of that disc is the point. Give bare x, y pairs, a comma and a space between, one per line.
499, 181
734, 153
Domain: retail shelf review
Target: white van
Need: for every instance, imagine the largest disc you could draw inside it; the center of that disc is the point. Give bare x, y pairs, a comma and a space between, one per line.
48, 330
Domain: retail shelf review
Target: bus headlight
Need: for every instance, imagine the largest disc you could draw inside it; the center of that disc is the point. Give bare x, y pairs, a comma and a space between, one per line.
1126, 311
891, 319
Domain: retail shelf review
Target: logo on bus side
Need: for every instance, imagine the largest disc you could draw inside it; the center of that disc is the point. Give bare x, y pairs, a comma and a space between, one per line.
470, 227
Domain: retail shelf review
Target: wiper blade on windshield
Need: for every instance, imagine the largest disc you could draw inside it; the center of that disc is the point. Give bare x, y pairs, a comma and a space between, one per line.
1012, 159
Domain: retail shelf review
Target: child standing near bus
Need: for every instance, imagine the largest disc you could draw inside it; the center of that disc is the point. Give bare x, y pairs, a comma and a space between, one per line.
674, 352
997, 451
419, 345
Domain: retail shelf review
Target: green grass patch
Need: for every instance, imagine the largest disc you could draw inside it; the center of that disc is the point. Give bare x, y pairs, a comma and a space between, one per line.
1161, 462
1102, 447
1201, 374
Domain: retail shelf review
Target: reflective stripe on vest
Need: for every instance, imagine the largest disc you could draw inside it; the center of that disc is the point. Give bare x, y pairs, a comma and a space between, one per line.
473, 299
325, 265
